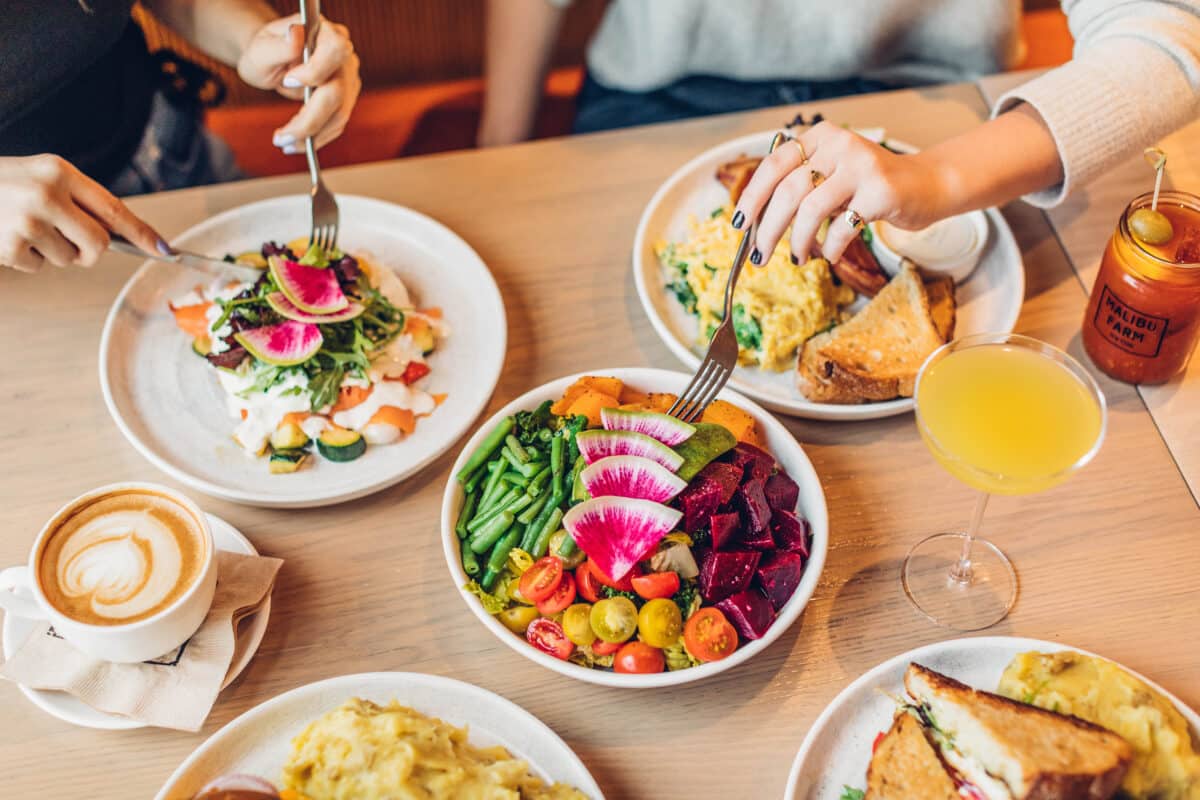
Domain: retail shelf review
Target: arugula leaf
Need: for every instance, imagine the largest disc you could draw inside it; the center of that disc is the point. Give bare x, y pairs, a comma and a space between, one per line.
850, 793
323, 387
747, 329
684, 294
717, 212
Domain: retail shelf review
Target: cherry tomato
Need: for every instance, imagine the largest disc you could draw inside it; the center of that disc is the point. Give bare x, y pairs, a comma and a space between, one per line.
517, 618
414, 372
603, 648
576, 624
587, 582
614, 619
623, 585
659, 622
639, 658
709, 636
653, 585
879, 737
547, 635
540, 580
562, 597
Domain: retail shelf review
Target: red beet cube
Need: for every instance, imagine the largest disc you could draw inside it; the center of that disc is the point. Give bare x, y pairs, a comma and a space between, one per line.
726, 573
752, 503
725, 529
782, 492
750, 613
727, 476
778, 576
754, 462
791, 532
699, 501
757, 540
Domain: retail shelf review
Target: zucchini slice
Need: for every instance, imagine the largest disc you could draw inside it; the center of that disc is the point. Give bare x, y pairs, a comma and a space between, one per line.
202, 346
340, 444
288, 437
285, 461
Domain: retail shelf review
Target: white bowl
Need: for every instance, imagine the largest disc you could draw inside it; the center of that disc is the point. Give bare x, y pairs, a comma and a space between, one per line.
780, 443
959, 267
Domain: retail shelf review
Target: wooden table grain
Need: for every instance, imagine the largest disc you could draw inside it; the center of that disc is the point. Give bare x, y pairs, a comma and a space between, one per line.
1085, 222
1107, 562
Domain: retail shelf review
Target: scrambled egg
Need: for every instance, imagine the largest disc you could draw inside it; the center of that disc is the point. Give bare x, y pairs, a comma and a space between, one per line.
363, 751
777, 306
1165, 763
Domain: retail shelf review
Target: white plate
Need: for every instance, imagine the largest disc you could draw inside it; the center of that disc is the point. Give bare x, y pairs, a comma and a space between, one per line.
168, 404
259, 741
837, 749
780, 443
70, 709
989, 300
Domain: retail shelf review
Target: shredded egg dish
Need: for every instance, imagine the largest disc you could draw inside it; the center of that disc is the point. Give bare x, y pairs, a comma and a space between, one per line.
777, 306
364, 751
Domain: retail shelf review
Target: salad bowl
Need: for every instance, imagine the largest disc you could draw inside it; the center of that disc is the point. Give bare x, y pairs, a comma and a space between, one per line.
775, 438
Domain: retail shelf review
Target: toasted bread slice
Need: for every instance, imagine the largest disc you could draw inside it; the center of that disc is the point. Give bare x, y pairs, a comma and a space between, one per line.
906, 766
943, 309
1002, 746
875, 355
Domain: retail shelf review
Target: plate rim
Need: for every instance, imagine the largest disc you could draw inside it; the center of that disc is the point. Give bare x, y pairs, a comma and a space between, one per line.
818, 518
270, 705
255, 499
970, 642
799, 407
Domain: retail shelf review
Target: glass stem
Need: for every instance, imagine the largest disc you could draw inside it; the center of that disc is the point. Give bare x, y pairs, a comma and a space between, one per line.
961, 571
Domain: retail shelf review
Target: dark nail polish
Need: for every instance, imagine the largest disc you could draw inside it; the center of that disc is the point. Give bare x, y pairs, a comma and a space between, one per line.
795, 260
755, 257
738, 219
164, 248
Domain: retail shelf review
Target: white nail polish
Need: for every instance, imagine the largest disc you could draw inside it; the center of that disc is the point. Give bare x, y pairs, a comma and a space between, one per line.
291, 83
291, 150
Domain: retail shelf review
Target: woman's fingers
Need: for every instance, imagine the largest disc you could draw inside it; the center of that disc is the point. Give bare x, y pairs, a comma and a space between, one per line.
277, 47
24, 259
817, 206
113, 214
326, 101
786, 199
773, 169
86, 235
332, 50
44, 238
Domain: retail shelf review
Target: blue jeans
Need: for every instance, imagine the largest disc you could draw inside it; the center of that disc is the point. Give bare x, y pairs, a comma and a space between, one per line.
176, 152
601, 108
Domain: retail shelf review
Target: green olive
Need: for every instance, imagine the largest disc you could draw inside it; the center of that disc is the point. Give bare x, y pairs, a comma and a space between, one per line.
1151, 227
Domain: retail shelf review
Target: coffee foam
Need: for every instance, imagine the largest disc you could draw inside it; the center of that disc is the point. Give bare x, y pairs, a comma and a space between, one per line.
121, 558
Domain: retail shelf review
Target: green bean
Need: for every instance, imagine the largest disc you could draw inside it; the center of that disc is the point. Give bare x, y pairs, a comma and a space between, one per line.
499, 501
515, 479
488, 446
542, 543
537, 484
568, 547
464, 516
545, 434
534, 453
483, 539
493, 482
513, 446
556, 456
528, 468
514, 504
529, 514
535, 527
499, 556
473, 482
469, 561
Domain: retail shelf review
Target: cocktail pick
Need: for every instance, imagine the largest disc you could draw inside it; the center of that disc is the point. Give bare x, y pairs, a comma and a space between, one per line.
1157, 159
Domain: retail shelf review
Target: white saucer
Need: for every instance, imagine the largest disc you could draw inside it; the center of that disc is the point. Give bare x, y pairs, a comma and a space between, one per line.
69, 709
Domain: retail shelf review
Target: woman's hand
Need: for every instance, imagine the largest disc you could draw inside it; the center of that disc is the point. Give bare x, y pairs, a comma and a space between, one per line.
274, 59
843, 171
50, 211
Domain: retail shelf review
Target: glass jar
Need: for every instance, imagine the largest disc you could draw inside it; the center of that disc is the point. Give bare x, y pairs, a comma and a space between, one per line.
1143, 317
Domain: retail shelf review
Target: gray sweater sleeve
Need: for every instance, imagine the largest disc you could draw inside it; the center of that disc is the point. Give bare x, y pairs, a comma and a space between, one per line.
1135, 77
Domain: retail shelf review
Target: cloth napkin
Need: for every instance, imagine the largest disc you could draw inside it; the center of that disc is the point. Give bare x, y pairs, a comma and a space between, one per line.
176, 690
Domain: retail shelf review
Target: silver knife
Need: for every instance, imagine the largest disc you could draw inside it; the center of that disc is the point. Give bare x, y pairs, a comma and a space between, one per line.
186, 258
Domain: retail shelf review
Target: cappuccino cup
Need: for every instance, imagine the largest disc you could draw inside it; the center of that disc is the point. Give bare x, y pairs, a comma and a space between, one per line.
124, 573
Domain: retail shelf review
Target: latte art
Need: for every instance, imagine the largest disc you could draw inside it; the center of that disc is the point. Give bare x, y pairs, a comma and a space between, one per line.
123, 558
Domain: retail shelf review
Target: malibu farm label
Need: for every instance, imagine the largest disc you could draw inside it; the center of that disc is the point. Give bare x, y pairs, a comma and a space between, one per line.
1129, 329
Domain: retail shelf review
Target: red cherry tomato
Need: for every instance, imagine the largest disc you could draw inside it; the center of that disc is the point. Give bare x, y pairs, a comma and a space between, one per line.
547, 635
562, 597
709, 636
623, 585
654, 585
639, 658
587, 583
414, 372
539, 581
603, 648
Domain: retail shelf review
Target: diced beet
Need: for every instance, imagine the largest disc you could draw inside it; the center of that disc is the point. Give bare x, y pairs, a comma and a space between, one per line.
727, 476
726, 573
782, 492
760, 540
791, 532
750, 613
228, 359
778, 575
751, 501
725, 529
754, 462
699, 501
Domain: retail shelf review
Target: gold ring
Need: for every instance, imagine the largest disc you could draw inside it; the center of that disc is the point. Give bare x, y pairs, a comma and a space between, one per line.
854, 220
800, 147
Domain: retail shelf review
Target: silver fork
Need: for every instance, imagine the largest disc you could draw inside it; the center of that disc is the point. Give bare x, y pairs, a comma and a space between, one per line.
324, 206
722, 355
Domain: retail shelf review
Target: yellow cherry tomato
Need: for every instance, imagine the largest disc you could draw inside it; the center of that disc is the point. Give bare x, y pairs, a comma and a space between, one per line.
517, 618
577, 624
660, 623
614, 619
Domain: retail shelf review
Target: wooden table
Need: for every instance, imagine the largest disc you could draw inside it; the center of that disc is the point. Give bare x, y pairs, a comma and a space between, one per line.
1107, 562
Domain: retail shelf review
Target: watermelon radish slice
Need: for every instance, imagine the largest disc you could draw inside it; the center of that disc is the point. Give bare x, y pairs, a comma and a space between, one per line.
666, 429
631, 476
595, 445
286, 308
311, 289
284, 344
618, 532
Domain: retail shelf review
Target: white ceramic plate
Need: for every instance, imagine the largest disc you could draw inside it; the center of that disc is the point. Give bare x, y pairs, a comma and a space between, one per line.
989, 300
780, 443
258, 742
837, 749
167, 401
70, 709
